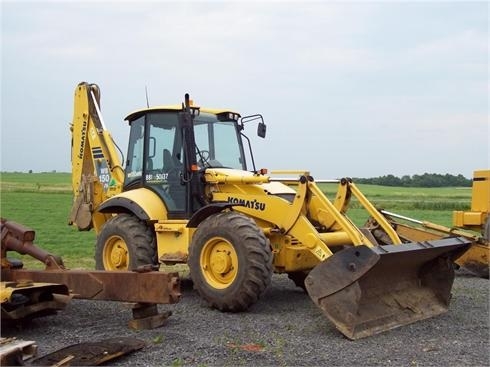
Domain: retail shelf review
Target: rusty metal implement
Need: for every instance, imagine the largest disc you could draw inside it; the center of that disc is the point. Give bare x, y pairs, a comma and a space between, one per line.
145, 286
90, 353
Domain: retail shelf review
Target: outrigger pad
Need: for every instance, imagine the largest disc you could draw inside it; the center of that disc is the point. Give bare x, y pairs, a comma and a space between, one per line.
365, 291
90, 353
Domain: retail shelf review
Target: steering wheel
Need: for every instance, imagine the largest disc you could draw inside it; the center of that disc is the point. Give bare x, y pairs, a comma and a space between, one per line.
204, 157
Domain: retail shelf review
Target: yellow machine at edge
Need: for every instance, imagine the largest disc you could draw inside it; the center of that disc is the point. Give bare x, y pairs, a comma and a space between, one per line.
186, 195
473, 224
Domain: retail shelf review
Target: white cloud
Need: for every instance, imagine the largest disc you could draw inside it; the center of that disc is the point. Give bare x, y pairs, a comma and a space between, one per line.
338, 83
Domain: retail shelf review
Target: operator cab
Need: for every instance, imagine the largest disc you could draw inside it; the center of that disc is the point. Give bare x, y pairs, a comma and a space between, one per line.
165, 156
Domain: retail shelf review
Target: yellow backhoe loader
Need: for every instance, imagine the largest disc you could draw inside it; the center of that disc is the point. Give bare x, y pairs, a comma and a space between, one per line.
186, 195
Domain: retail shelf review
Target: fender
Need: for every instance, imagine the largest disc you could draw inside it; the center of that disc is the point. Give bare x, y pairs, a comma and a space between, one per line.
143, 203
206, 211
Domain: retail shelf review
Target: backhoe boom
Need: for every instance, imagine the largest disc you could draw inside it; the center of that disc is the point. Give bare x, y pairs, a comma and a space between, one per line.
97, 173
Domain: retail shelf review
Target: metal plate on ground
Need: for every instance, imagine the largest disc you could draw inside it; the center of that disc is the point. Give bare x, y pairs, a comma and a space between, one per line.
90, 353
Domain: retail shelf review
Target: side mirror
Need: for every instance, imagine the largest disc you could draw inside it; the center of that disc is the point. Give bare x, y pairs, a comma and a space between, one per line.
261, 130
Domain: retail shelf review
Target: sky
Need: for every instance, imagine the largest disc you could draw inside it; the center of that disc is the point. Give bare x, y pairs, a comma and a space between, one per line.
347, 89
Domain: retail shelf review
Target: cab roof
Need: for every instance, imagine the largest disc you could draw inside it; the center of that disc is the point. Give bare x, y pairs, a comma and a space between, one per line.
175, 108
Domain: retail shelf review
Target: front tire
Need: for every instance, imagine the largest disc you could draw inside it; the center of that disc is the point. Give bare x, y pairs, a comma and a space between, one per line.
230, 261
125, 243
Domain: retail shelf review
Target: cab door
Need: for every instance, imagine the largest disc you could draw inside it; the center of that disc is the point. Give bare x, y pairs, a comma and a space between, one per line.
155, 159
164, 161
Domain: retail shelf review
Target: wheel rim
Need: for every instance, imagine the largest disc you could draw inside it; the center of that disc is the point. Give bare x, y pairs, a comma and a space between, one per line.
116, 254
219, 263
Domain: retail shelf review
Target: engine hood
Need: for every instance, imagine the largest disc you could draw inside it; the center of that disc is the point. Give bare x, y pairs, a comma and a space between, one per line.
271, 187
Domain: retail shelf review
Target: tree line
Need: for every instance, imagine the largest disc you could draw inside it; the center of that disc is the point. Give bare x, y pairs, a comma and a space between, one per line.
425, 180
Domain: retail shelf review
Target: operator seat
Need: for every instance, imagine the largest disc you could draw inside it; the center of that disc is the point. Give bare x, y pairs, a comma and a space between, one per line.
168, 162
172, 166
149, 164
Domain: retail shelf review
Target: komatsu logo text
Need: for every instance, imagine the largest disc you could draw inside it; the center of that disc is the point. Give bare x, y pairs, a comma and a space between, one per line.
251, 204
82, 139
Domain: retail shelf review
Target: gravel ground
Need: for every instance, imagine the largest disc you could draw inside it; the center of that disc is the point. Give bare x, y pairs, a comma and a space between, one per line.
284, 328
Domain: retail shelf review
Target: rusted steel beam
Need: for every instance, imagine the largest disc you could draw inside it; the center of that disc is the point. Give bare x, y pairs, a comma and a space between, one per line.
142, 286
126, 286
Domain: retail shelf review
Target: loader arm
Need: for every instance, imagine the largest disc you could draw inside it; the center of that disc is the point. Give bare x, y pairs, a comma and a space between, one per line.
97, 173
295, 218
287, 218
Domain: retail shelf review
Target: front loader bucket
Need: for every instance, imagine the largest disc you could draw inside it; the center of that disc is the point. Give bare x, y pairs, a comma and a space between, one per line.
367, 290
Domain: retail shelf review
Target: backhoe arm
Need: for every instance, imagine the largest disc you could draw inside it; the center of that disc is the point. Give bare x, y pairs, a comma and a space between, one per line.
97, 172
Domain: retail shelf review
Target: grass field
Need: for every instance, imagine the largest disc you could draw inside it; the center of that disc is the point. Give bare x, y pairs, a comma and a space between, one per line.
42, 201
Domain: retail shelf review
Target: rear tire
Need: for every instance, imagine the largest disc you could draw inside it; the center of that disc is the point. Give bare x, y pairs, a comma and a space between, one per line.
125, 243
230, 261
